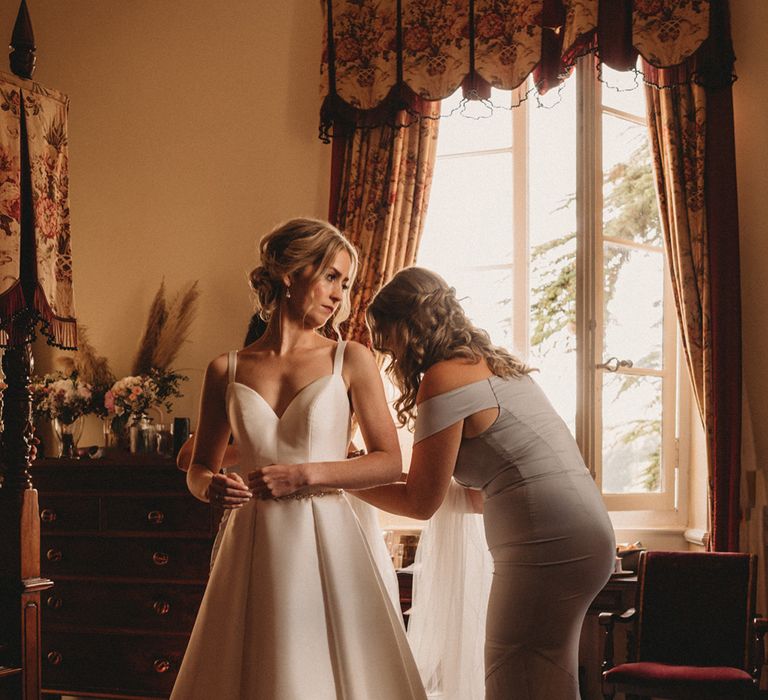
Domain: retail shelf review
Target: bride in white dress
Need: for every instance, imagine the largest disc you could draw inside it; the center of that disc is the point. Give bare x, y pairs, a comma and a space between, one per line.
295, 607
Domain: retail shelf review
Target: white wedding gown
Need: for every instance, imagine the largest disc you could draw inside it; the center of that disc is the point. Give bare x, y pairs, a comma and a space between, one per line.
295, 608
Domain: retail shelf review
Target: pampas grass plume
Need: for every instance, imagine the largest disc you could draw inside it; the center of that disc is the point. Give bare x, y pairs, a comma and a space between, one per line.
167, 328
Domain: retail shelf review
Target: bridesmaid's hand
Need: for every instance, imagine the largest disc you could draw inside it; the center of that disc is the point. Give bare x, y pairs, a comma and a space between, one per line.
278, 480
228, 491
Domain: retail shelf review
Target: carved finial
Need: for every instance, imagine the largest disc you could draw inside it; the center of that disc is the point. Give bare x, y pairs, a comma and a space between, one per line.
23, 44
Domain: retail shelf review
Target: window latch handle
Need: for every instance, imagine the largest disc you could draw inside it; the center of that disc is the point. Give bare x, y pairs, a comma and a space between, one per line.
612, 364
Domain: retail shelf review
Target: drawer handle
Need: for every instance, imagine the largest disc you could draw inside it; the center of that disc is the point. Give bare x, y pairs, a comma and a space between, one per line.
160, 558
53, 555
156, 517
47, 515
161, 607
162, 665
54, 602
54, 658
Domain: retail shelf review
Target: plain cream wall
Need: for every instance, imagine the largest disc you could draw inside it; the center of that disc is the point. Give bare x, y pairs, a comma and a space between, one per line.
749, 19
192, 131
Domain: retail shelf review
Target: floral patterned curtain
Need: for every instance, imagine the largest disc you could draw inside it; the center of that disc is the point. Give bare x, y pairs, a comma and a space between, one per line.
35, 252
692, 138
379, 192
381, 54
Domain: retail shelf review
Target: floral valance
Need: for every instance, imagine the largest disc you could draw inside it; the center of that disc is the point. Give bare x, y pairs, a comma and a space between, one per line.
35, 251
381, 56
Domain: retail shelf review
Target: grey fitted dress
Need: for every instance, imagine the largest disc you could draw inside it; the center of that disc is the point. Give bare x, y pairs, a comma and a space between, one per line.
547, 530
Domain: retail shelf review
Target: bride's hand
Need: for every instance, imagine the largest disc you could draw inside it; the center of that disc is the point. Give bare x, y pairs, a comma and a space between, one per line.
228, 491
277, 480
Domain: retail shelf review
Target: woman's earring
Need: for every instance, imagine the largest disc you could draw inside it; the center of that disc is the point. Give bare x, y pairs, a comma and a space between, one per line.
287, 292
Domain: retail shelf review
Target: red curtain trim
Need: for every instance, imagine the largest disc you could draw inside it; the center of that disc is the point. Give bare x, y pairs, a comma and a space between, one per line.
725, 312
60, 332
12, 304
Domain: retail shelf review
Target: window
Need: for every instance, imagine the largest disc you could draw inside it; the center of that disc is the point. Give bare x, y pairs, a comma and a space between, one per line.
545, 221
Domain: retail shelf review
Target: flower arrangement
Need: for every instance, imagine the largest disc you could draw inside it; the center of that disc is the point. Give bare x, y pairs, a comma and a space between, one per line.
135, 395
85, 383
61, 396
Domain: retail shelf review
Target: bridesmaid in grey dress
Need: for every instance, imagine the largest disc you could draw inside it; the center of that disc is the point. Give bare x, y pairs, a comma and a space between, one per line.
483, 420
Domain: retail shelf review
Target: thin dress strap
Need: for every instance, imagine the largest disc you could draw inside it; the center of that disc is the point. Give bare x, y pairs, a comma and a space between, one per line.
439, 412
232, 365
338, 358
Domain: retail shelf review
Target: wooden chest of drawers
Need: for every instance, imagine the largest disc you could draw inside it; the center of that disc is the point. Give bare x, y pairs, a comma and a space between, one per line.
128, 548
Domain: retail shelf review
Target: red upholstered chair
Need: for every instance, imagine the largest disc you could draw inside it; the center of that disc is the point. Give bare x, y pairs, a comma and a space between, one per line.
695, 634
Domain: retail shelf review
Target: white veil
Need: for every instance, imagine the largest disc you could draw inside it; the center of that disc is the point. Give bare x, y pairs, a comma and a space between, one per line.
452, 579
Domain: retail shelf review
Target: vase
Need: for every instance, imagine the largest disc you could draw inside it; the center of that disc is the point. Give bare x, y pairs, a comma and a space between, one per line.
108, 437
68, 435
143, 437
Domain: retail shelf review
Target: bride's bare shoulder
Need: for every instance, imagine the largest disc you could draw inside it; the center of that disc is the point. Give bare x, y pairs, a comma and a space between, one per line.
358, 359
218, 365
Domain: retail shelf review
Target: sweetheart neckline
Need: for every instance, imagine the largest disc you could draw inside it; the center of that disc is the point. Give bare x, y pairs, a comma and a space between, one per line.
293, 399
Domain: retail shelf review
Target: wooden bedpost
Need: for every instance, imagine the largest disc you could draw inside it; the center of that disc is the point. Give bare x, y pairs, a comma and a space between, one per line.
20, 581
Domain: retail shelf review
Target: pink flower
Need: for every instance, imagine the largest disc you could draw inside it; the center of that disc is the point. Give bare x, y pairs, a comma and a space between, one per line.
109, 401
490, 26
648, 7
46, 214
416, 39
531, 16
347, 50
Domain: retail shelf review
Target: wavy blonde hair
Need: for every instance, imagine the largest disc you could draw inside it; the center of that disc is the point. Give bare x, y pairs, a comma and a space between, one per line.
417, 321
289, 249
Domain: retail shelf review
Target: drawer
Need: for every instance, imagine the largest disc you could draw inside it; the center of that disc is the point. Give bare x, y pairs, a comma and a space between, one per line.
126, 557
183, 513
105, 663
139, 607
68, 513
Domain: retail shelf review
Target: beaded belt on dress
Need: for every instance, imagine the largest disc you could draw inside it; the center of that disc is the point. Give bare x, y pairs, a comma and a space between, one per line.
308, 494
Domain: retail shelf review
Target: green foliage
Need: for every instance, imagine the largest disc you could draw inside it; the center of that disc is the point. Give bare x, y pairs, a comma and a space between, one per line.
630, 213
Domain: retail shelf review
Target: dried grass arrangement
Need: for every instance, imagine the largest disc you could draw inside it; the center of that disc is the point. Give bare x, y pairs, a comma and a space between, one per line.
90, 367
167, 328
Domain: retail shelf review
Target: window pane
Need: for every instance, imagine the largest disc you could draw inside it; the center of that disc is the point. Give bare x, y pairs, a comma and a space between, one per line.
630, 210
486, 297
552, 240
623, 90
475, 125
631, 434
470, 213
633, 309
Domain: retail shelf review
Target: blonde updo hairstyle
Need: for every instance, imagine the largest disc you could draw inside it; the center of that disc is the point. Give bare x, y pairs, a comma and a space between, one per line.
417, 320
289, 249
